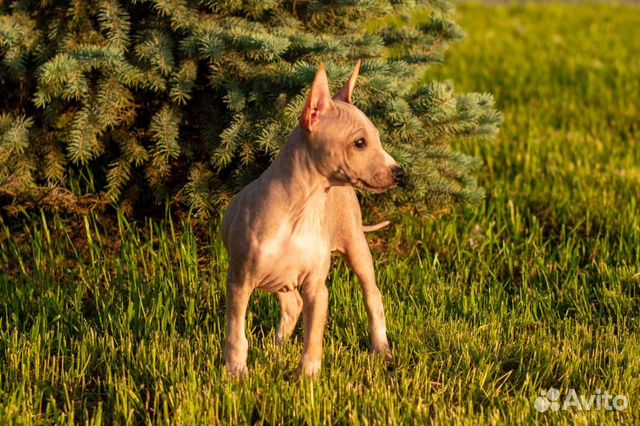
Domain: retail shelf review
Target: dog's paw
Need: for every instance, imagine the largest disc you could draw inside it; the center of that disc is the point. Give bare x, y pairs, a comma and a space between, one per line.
309, 369
384, 351
237, 371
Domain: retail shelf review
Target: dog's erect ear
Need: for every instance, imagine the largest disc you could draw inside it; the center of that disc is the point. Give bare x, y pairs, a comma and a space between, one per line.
345, 93
319, 100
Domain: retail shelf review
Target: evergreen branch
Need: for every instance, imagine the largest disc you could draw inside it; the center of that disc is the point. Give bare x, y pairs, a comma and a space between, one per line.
118, 175
115, 22
83, 138
164, 131
183, 82
14, 135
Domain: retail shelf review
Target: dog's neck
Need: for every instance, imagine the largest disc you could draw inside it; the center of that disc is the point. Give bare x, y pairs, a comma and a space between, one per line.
295, 170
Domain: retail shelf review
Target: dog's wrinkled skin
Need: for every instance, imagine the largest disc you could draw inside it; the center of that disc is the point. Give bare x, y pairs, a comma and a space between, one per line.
281, 229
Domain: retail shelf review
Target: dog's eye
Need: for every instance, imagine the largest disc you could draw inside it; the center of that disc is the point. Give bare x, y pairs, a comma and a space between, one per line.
360, 143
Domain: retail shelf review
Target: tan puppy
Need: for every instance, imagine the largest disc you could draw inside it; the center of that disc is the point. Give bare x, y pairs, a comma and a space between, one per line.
281, 229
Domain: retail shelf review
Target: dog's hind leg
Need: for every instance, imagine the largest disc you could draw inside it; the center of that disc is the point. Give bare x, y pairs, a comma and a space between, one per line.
290, 308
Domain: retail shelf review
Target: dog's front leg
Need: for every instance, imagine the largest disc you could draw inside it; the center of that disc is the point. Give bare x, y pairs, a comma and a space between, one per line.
315, 296
236, 345
358, 255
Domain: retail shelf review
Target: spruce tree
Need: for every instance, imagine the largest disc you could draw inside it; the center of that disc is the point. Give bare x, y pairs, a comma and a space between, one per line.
127, 102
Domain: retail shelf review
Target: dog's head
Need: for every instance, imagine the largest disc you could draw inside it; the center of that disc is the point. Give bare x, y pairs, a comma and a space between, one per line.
344, 144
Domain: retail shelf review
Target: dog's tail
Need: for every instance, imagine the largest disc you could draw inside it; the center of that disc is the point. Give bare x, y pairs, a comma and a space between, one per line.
371, 228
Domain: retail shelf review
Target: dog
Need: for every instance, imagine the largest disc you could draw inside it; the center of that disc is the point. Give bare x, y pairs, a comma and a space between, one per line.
280, 229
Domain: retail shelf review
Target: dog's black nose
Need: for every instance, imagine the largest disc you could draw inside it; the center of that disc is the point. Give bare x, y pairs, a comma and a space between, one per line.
398, 174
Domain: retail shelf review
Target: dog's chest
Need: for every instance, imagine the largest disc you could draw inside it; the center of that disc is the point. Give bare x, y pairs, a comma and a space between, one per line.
298, 251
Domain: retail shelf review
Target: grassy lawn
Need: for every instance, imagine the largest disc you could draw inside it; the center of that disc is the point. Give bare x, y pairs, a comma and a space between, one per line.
538, 287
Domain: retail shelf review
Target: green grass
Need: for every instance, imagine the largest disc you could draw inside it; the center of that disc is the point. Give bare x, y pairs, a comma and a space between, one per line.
537, 287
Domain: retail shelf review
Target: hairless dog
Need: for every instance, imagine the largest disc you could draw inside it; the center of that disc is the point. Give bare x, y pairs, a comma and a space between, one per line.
280, 230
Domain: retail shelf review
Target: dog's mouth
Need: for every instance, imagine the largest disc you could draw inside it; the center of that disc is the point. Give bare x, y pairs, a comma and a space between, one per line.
363, 184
